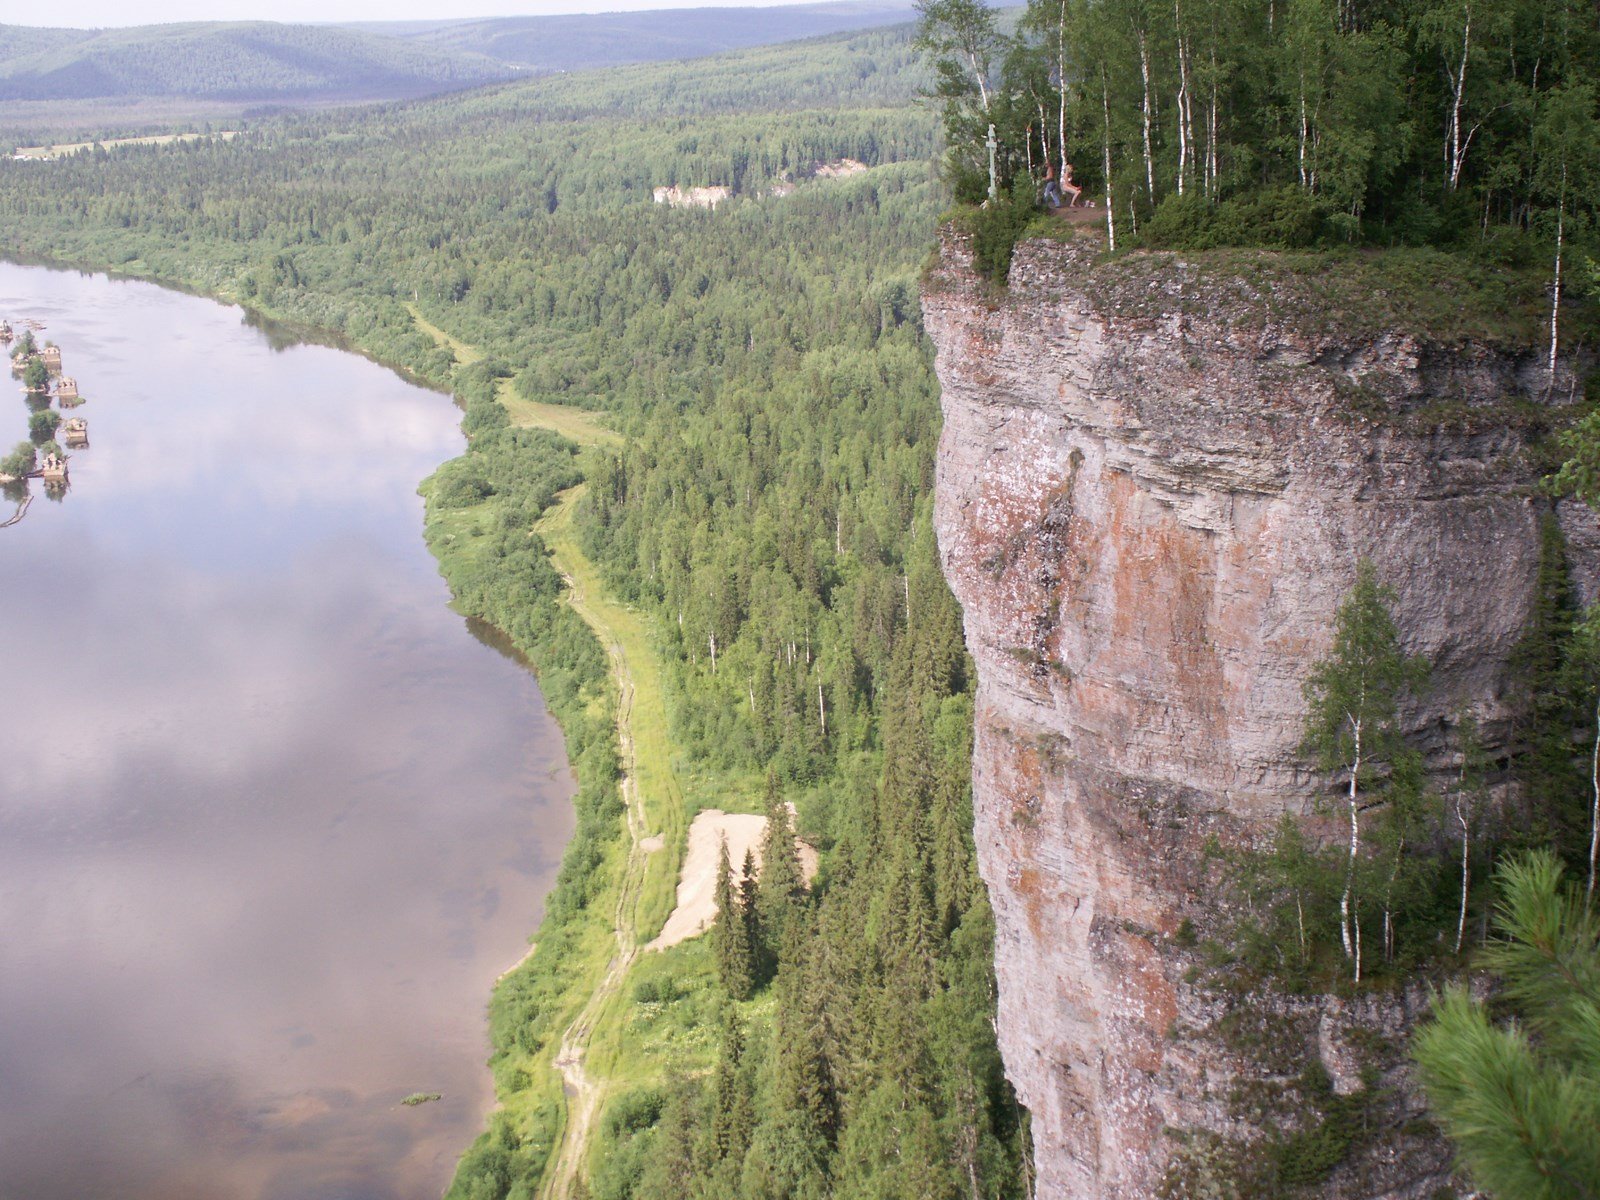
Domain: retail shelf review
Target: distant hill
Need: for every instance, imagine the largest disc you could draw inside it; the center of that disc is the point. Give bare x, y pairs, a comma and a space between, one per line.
257, 60
567, 43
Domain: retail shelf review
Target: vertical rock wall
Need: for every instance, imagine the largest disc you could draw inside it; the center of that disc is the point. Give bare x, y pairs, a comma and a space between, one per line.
1154, 488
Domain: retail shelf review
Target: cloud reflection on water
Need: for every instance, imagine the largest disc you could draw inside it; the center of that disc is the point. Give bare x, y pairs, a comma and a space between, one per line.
271, 819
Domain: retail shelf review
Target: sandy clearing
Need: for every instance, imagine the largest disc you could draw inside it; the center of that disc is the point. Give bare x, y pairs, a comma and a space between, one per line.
697, 885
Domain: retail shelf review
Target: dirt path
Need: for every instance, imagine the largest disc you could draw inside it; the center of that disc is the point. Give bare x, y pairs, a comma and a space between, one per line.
583, 1092
650, 791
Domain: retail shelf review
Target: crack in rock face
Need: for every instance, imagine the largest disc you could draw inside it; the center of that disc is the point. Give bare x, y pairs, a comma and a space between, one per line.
1150, 512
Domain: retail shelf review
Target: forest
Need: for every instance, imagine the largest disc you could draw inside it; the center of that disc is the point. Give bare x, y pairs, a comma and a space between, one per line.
1450, 123
769, 511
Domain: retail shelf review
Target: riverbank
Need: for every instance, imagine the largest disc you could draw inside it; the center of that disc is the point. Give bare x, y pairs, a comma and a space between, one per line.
591, 1040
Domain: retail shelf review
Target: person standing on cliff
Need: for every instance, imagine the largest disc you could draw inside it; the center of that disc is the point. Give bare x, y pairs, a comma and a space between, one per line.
1052, 193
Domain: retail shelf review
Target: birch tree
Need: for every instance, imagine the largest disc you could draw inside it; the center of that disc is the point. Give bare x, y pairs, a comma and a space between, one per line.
1466, 801
1351, 727
1583, 673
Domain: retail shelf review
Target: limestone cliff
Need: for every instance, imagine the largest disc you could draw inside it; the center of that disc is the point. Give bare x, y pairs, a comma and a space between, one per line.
1155, 482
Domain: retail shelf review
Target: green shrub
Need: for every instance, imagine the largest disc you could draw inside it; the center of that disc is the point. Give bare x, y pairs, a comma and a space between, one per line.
1283, 218
20, 461
995, 230
634, 1112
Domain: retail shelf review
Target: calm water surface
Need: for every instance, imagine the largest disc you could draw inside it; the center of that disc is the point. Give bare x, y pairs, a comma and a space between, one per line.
271, 819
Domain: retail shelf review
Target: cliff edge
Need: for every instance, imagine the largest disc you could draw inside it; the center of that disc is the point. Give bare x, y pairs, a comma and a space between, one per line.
1155, 482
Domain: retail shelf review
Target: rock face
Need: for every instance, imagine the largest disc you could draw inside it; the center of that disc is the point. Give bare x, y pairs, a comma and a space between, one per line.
691, 197
1155, 485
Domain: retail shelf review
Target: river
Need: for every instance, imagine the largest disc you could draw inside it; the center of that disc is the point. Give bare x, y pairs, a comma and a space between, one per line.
272, 818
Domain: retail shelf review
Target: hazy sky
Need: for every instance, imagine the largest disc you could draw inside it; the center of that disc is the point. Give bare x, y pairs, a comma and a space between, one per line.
92, 13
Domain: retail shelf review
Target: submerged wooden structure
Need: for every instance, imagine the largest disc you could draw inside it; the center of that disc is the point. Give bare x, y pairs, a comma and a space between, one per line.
51, 357
53, 467
67, 390
75, 431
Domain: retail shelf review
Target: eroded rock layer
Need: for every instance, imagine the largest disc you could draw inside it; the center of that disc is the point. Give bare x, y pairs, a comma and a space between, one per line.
1155, 484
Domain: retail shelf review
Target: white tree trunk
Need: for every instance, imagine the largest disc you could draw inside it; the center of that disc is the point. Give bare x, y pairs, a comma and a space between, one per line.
1061, 81
1349, 930
822, 711
983, 86
1464, 819
1186, 148
1455, 151
1111, 212
1149, 159
1555, 290
1213, 170
1594, 811
1305, 131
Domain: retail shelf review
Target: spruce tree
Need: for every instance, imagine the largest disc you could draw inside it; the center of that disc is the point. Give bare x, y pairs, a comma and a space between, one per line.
782, 886
1548, 772
730, 935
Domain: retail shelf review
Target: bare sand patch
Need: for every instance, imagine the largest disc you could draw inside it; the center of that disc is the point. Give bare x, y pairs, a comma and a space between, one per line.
697, 885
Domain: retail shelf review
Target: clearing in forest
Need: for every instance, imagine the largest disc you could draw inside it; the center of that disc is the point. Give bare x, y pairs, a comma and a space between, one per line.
697, 886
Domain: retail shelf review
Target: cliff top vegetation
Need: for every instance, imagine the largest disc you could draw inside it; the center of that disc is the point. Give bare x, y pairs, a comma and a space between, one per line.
1465, 126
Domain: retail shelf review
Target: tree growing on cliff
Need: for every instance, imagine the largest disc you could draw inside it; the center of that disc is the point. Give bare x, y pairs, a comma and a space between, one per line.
1521, 1100
1352, 701
1583, 679
1467, 795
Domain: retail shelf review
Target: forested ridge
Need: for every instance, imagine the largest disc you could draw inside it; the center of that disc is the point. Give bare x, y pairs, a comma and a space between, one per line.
769, 511
254, 59
572, 41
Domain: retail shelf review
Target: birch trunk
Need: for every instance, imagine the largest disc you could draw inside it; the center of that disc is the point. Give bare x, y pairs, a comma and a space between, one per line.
1186, 149
1149, 159
1213, 171
1349, 933
1111, 212
1555, 290
1464, 820
1061, 82
983, 88
1455, 151
1594, 810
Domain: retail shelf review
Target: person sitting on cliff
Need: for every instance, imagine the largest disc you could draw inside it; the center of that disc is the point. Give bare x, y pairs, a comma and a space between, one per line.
1052, 193
1068, 185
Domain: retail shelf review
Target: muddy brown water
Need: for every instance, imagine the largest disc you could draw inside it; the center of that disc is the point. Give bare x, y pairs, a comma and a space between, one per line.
272, 817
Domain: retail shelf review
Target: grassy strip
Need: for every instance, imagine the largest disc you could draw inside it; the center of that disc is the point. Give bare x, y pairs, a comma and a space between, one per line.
657, 782
636, 1021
